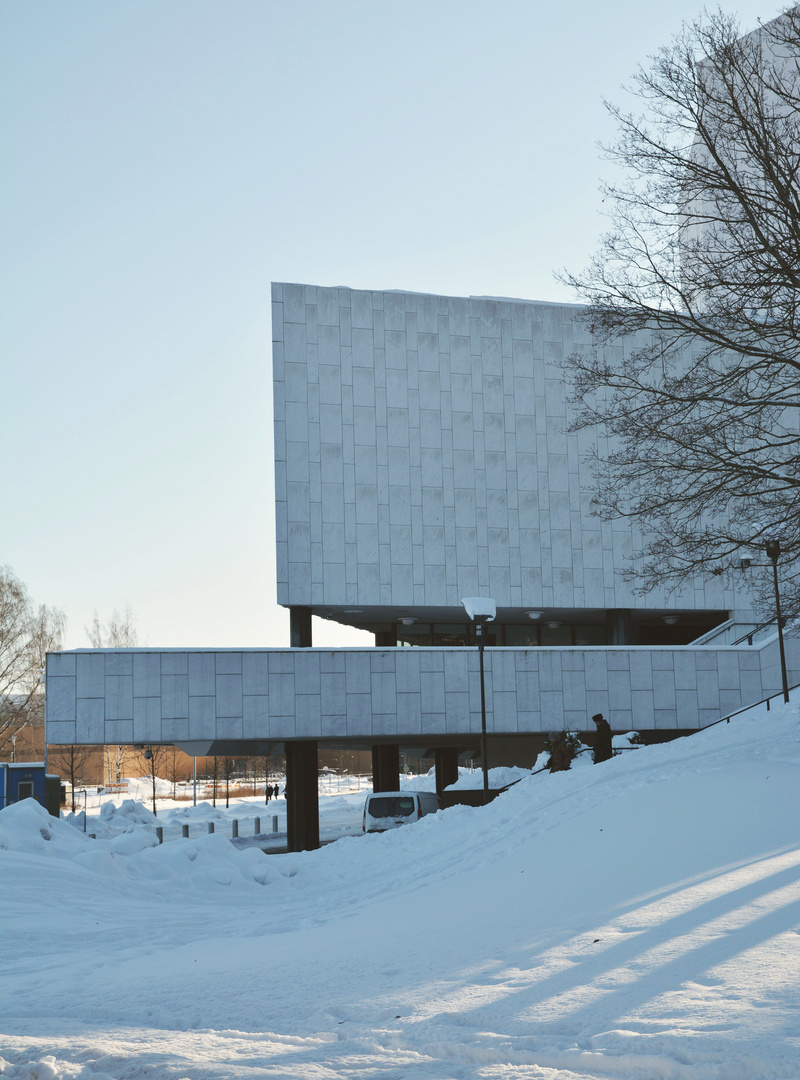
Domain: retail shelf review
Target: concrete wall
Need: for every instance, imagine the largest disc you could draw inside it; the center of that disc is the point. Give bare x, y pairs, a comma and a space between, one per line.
421, 456
137, 695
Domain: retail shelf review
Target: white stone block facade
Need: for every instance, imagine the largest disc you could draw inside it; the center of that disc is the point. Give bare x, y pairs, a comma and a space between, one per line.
422, 456
412, 694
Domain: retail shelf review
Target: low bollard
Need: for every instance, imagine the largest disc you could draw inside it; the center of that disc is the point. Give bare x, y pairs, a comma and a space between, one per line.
211, 826
186, 831
160, 833
274, 822
234, 829
257, 826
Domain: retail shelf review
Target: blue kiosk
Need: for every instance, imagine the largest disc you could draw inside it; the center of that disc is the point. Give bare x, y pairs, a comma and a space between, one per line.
29, 780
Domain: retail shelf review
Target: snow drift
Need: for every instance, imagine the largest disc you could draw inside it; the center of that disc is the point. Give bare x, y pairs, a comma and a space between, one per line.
635, 919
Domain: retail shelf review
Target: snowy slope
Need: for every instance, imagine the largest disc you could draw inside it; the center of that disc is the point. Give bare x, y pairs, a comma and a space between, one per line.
637, 919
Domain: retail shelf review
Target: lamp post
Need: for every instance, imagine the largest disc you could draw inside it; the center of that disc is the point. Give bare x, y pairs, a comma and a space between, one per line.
481, 610
773, 550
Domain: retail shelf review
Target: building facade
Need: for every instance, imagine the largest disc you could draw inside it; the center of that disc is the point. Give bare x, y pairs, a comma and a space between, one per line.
422, 455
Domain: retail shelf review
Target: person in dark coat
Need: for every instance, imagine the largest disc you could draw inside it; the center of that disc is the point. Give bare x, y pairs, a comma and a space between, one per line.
560, 756
602, 743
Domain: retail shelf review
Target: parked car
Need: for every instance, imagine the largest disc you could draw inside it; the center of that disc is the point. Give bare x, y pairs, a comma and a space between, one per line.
390, 809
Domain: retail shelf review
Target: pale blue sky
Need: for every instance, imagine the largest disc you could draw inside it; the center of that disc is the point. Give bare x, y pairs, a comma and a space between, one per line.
165, 160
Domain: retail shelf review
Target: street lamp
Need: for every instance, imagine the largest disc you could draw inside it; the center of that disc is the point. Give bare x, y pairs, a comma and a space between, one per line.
773, 550
481, 610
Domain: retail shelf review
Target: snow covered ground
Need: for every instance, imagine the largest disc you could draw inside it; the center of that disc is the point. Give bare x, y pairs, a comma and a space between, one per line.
635, 919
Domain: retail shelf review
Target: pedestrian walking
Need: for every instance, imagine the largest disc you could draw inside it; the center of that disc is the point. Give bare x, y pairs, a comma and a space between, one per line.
560, 757
602, 743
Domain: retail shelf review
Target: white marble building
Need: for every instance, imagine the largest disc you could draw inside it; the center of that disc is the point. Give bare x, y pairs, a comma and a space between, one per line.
421, 457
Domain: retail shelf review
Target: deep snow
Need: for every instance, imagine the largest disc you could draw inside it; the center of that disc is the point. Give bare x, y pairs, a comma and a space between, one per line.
637, 919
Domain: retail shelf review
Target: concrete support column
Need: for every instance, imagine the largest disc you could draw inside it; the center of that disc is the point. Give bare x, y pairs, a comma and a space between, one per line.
618, 621
300, 627
446, 758
386, 767
302, 805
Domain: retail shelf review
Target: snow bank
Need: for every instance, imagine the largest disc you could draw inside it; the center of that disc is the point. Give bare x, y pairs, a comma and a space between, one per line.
626, 921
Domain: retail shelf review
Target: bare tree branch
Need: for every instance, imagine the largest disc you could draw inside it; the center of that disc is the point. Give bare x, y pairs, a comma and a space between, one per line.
27, 634
702, 264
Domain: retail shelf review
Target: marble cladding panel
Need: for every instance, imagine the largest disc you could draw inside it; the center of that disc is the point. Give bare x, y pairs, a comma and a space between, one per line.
311, 693
119, 696
61, 695
202, 675
91, 675
203, 717
174, 697
147, 719
61, 664
59, 732
229, 696
90, 720
119, 732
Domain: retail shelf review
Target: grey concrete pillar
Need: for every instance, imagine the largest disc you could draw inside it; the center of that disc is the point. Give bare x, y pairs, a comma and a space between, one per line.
446, 758
300, 627
386, 767
302, 803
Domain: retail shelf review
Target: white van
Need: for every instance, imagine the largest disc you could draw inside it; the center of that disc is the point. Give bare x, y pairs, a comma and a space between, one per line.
390, 809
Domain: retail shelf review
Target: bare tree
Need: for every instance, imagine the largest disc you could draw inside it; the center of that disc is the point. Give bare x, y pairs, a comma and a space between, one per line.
154, 762
227, 768
71, 761
116, 762
118, 633
177, 767
27, 634
703, 264
215, 774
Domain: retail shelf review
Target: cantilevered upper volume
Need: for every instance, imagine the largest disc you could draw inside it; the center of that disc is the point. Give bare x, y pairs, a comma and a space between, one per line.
422, 456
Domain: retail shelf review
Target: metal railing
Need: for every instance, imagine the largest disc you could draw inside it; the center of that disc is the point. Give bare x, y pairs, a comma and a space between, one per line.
748, 637
746, 708
728, 630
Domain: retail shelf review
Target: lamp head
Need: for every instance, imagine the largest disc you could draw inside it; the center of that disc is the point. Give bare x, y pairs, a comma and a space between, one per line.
480, 608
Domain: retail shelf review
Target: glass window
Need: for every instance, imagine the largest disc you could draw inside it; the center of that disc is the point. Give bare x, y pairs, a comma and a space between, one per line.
522, 636
391, 806
417, 634
450, 634
556, 635
590, 635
